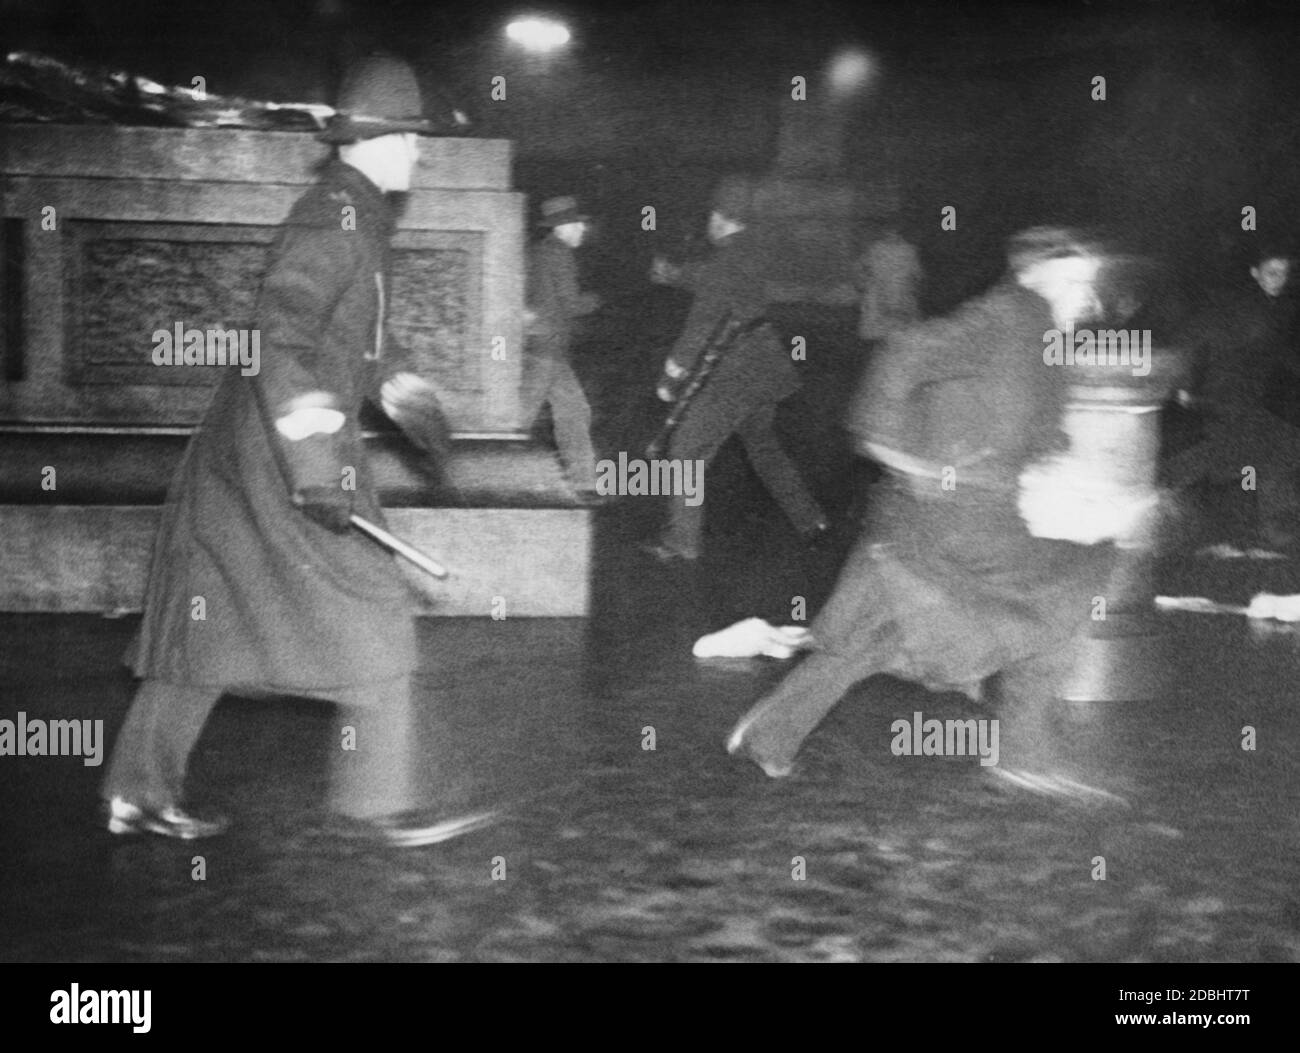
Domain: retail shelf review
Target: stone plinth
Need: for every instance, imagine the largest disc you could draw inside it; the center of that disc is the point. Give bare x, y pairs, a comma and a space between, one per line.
109, 234
501, 522
117, 232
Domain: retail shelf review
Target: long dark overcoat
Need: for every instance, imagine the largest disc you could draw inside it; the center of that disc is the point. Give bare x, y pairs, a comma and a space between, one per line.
285, 603
969, 589
756, 370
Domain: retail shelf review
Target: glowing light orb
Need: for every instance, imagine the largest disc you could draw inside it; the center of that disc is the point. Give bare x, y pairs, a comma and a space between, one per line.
851, 70
538, 34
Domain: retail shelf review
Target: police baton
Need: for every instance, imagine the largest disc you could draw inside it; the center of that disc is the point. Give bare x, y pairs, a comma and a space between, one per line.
395, 544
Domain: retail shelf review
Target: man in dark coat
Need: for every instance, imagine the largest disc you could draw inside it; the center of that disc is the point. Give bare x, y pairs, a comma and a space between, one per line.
258, 585
556, 304
749, 380
1243, 359
948, 586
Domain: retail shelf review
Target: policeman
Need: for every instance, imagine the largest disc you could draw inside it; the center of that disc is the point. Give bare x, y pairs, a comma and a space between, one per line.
256, 528
747, 384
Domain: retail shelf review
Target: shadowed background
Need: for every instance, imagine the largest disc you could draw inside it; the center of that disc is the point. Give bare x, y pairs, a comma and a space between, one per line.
985, 107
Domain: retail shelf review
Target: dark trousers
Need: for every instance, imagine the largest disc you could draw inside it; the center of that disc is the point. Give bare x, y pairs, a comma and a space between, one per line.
699, 437
777, 725
377, 777
552, 381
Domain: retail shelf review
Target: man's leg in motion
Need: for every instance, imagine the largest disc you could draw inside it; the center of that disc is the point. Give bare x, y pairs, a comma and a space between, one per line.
702, 431
685, 532
152, 751
533, 385
145, 782
379, 775
1028, 735
1038, 749
776, 726
778, 472
571, 413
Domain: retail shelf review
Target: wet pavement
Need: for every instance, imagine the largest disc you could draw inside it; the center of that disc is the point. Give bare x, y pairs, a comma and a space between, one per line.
608, 850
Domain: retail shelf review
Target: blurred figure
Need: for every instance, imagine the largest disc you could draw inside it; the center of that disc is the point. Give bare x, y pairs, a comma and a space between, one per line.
1242, 360
259, 586
747, 382
949, 585
554, 305
889, 276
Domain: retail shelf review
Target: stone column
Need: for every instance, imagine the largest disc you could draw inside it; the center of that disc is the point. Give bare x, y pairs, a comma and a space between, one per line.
1113, 421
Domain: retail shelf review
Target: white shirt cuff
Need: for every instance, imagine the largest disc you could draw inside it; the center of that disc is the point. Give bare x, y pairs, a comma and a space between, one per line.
309, 420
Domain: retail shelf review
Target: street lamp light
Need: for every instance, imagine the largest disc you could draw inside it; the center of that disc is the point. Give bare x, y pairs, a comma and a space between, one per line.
538, 34
851, 70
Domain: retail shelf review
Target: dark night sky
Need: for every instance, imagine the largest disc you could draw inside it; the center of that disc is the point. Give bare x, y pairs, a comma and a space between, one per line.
981, 105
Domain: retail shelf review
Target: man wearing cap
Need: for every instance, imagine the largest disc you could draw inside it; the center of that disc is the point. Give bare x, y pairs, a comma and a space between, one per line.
749, 380
1242, 346
258, 586
554, 304
951, 584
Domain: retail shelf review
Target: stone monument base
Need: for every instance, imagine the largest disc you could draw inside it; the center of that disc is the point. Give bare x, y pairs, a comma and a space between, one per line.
515, 543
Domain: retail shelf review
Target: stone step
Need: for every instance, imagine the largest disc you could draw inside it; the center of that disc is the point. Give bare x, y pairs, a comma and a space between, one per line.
504, 521
504, 562
133, 466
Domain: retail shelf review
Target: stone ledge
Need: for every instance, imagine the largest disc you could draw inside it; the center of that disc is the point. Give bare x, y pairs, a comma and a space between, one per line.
230, 155
133, 466
64, 558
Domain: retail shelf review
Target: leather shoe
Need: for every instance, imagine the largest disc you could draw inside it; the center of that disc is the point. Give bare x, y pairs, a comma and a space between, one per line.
665, 553
1056, 785
127, 818
411, 830
738, 745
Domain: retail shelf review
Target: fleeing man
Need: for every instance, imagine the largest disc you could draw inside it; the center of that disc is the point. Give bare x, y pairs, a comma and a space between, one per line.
949, 585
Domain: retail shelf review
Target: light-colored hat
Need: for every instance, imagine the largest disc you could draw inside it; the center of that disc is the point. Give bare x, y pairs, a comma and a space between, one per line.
380, 96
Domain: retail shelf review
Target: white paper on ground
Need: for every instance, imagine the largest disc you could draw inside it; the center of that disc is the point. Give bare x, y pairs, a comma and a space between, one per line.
1279, 608
751, 638
1223, 550
1263, 605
